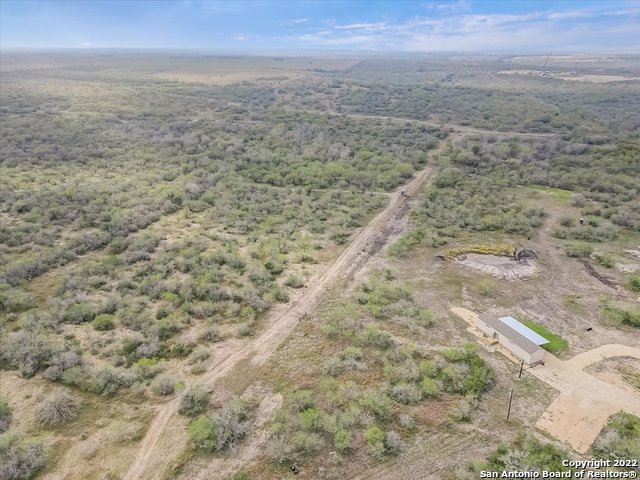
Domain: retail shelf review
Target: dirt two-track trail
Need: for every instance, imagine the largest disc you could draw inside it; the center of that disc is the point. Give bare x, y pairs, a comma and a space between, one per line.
282, 319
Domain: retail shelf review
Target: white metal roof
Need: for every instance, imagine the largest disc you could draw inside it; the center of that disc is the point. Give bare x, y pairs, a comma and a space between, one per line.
524, 330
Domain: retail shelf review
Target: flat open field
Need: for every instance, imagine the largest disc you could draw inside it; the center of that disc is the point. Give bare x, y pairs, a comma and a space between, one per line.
228, 267
572, 76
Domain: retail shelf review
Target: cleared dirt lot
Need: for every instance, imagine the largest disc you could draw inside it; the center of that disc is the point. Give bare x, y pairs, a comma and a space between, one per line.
571, 76
505, 268
585, 402
621, 371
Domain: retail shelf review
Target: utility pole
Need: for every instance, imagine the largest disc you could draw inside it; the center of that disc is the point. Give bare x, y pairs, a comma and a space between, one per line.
509, 410
521, 367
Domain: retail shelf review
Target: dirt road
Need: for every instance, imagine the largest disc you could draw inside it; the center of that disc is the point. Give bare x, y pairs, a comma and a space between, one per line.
585, 402
282, 319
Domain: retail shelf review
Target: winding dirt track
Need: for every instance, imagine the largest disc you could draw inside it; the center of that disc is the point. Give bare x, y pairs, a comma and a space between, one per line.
282, 319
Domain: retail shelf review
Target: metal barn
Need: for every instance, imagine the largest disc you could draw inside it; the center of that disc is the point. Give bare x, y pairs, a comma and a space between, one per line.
519, 339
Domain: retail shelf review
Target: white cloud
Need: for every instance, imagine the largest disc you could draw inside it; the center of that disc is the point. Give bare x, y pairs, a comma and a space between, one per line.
362, 26
449, 7
570, 29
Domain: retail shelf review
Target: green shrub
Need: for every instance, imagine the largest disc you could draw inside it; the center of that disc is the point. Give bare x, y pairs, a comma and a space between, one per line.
170, 297
454, 378
463, 409
630, 317
407, 371
240, 476
302, 400
526, 453
375, 402
221, 429
468, 375
633, 283
194, 400
606, 261
309, 419
498, 249
342, 441
5, 414
392, 442
351, 353
294, 281
458, 354
278, 294
374, 438
486, 287
406, 393
178, 349
567, 221
28, 352
103, 322
372, 335
201, 432
480, 377
620, 439
623, 315
580, 250
430, 387
19, 460
163, 385
308, 443
429, 368
147, 367
79, 313
105, 381
14, 300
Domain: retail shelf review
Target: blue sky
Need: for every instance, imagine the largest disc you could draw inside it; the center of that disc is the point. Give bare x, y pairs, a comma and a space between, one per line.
424, 26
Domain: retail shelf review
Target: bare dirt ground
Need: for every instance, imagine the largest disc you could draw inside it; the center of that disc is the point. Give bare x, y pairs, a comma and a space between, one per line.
504, 268
586, 402
622, 371
84, 449
224, 78
571, 76
543, 298
151, 462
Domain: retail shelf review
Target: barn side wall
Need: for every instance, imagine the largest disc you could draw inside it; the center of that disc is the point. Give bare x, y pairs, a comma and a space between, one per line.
537, 357
485, 328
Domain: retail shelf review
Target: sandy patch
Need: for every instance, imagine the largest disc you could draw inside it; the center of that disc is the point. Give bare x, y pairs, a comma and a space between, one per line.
571, 76
621, 371
223, 79
505, 268
586, 400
